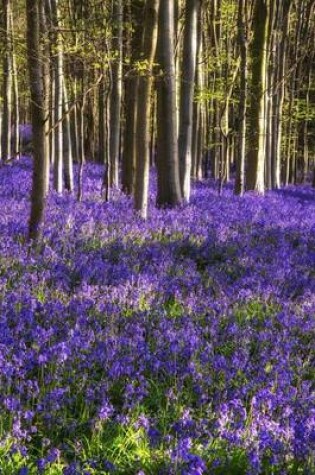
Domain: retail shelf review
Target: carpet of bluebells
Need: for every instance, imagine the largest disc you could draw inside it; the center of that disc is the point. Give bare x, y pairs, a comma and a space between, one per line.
180, 345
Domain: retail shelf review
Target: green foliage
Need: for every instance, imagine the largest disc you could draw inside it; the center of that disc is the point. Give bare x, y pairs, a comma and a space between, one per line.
256, 312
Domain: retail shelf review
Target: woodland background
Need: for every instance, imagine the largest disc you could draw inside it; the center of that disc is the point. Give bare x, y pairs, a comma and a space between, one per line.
157, 251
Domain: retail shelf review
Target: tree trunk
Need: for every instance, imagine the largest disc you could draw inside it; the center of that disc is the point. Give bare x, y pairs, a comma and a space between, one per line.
243, 44
145, 79
75, 123
38, 117
200, 144
128, 157
169, 193
16, 143
81, 135
282, 59
7, 82
217, 78
116, 92
187, 94
90, 112
102, 101
293, 94
52, 116
46, 89
67, 142
196, 107
255, 179
58, 62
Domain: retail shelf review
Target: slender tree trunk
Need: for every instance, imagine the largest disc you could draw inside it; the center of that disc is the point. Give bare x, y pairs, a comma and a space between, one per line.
81, 136
195, 134
196, 107
217, 41
7, 82
268, 143
102, 126
153, 131
16, 128
225, 108
201, 81
90, 112
145, 79
207, 104
116, 92
281, 80
46, 89
67, 142
305, 140
305, 151
107, 164
52, 116
271, 96
81, 150
75, 125
294, 86
200, 143
243, 43
225, 138
135, 15
58, 61
255, 179
38, 116
169, 193
308, 97
187, 94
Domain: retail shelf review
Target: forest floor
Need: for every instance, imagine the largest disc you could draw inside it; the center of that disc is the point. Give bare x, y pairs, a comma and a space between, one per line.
180, 345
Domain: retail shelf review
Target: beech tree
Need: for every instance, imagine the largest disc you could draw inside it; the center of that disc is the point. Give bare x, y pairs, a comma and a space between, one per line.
255, 178
58, 99
278, 114
35, 59
169, 193
134, 10
116, 92
188, 69
144, 88
16, 100
6, 148
243, 46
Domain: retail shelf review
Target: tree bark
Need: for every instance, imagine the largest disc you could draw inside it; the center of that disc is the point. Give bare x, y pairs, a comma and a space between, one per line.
196, 116
67, 142
116, 93
38, 117
168, 193
144, 88
102, 102
282, 59
255, 179
187, 94
7, 83
243, 45
135, 15
46, 88
58, 63
16, 108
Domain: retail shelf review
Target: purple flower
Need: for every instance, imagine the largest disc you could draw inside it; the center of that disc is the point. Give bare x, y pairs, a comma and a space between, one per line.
23, 471
201, 320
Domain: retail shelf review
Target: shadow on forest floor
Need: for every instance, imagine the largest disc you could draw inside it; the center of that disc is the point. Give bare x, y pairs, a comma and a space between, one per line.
305, 194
